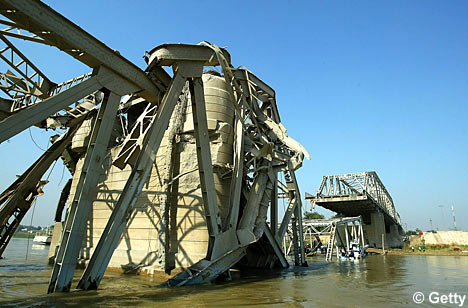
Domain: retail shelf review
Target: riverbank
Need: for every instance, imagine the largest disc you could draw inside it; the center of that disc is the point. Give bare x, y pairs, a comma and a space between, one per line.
430, 251
22, 234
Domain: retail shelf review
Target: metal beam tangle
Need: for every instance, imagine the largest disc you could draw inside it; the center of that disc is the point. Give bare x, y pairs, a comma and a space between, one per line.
209, 176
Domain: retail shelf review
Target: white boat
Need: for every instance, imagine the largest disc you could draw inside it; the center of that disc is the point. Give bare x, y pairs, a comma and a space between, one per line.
44, 237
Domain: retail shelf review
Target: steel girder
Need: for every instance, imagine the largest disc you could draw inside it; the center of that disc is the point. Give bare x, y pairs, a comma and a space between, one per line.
357, 184
39, 19
17, 199
262, 147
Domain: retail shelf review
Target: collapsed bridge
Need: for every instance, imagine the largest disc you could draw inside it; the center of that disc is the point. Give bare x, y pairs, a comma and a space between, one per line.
173, 168
362, 194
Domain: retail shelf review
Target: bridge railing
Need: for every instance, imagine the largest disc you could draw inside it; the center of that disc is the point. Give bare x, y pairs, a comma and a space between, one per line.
364, 183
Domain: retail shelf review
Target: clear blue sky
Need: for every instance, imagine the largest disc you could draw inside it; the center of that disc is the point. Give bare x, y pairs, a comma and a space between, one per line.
372, 85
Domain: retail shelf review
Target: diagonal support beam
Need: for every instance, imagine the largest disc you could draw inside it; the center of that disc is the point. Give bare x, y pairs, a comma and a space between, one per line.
36, 81
36, 113
112, 233
286, 218
38, 18
205, 167
250, 228
276, 247
85, 193
238, 173
274, 205
18, 198
289, 172
298, 214
295, 239
14, 31
247, 221
205, 271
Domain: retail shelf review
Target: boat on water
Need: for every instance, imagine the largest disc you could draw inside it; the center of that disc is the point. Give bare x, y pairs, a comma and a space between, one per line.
355, 252
43, 238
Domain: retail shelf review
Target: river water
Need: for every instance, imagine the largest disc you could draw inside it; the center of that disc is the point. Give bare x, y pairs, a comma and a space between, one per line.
377, 281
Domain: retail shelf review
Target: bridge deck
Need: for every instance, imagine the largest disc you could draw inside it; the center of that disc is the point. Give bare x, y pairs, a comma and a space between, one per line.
350, 205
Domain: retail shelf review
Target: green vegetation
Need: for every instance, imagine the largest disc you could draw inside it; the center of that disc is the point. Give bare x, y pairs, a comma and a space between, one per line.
22, 234
440, 249
337, 216
23, 231
445, 247
313, 215
23, 228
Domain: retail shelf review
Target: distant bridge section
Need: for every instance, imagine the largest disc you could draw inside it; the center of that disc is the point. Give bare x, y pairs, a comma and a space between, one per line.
362, 194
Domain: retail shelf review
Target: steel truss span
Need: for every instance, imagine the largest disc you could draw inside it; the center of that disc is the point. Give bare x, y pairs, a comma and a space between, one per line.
353, 186
207, 143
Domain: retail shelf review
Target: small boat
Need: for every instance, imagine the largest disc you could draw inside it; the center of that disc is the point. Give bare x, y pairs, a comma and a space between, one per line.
43, 238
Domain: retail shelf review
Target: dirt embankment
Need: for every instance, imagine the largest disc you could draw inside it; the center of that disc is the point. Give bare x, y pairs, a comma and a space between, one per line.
441, 243
430, 251
452, 238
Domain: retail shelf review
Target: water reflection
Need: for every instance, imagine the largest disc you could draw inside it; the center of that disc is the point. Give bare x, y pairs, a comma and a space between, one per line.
39, 247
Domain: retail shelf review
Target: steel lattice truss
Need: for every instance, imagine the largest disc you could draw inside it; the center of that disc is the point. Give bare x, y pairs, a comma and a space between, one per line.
360, 184
341, 231
262, 149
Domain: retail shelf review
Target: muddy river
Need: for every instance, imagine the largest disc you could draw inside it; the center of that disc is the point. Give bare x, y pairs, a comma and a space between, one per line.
377, 281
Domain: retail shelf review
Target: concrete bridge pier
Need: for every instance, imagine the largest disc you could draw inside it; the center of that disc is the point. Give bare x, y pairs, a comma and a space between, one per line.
378, 227
393, 237
375, 230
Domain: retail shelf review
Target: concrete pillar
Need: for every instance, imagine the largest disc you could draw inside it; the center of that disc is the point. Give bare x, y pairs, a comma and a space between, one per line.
56, 236
394, 238
375, 230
